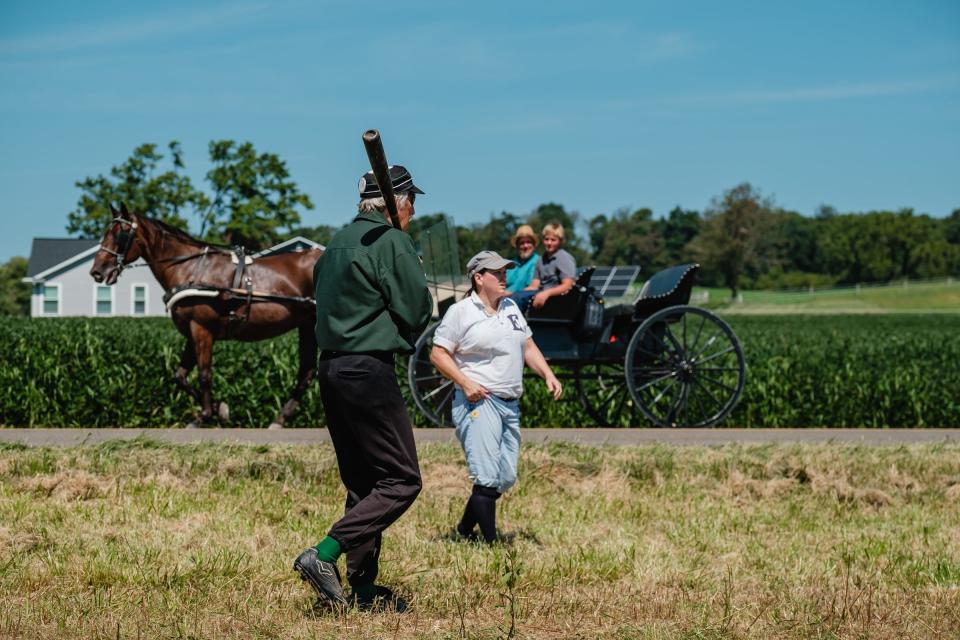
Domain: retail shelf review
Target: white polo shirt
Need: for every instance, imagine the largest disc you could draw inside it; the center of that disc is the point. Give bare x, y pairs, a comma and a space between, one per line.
488, 348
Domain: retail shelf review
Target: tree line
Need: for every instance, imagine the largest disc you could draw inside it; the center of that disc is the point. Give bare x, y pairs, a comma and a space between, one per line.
743, 239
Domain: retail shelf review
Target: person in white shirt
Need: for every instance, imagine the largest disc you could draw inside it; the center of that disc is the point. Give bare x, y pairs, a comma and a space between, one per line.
481, 345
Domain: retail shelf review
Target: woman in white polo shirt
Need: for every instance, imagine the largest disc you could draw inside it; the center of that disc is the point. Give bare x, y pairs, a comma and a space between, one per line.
481, 345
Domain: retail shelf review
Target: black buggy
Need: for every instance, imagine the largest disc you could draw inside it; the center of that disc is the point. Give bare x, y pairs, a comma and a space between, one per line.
658, 360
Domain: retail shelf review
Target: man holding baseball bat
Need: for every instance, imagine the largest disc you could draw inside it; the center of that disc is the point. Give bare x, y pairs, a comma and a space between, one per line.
372, 302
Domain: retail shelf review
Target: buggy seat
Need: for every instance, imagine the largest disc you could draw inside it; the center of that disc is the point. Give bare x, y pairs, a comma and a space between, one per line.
666, 288
566, 308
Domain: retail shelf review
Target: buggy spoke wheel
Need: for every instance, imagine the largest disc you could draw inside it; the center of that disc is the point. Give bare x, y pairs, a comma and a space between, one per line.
706, 392
663, 393
603, 393
716, 382
429, 395
696, 340
655, 381
425, 379
678, 347
713, 356
665, 371
432, 393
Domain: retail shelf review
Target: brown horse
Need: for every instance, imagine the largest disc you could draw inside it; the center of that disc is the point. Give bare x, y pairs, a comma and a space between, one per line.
213, 295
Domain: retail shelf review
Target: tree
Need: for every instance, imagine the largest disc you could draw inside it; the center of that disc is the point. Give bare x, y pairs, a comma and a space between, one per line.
494, 235
626, 238
798, 240
935, 258
14, 294
678, 229
886, 245
164, 196
854, 248
253, 198
321, 234
825, 212
732, 230
952, 227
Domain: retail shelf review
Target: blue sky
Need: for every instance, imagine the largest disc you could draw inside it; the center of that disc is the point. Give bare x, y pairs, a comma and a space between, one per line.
493, 106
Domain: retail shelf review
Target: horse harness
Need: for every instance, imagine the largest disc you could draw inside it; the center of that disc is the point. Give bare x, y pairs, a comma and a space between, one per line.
241, 289
242, 286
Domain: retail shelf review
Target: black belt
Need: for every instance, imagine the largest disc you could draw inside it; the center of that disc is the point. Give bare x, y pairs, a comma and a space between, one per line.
506, 399
383, 356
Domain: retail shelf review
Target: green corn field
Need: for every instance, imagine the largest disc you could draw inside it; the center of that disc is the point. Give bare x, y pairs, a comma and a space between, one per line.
803, 371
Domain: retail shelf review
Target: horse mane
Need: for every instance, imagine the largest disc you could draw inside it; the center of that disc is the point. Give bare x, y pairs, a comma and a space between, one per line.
166, 227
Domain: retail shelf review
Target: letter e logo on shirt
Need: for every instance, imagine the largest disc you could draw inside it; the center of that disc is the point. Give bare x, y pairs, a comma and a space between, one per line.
516, 322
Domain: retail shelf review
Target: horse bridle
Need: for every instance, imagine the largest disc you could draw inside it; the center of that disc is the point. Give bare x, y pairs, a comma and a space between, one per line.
124, 239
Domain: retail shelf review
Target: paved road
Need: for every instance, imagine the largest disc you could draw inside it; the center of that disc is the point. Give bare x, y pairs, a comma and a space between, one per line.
72, 437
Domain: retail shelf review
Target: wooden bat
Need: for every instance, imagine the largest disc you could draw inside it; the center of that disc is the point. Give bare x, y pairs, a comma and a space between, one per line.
381, 170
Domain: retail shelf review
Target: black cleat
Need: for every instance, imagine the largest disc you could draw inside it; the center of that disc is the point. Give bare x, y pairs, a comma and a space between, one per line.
385, 600
323, 577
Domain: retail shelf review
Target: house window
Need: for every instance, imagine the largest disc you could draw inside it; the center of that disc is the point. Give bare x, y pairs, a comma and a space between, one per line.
104, 300
139, 300
51, 300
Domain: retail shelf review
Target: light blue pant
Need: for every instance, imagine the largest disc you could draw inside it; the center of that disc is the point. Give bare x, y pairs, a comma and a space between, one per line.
489, 432
523, 298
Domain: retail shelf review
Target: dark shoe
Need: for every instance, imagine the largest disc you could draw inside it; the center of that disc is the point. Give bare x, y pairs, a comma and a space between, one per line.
385, 600
322, 576
457, 535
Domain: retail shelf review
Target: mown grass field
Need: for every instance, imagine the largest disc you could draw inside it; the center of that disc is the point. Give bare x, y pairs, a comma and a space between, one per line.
144, 540
902, 297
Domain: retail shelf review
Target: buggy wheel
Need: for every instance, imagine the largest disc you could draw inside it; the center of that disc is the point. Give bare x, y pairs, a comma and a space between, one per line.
432, 393
685, 368
603, 393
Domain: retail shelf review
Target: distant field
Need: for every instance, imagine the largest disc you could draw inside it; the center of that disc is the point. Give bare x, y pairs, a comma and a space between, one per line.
146, 540
912, 297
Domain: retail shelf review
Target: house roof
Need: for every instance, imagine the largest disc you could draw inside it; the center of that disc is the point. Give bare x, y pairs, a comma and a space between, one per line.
52, 252
49, 252
290, 245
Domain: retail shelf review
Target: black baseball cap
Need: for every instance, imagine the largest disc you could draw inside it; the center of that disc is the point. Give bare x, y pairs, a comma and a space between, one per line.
399, 176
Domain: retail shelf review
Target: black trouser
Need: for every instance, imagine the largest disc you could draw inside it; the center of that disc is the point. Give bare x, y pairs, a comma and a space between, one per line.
372, 435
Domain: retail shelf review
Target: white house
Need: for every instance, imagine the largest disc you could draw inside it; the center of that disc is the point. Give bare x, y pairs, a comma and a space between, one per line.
59, 270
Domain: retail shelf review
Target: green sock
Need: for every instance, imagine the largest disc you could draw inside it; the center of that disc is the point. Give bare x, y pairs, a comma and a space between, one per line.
328, 550
366, 591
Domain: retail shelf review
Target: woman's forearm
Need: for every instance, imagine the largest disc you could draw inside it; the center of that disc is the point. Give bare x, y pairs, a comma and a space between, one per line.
534, 359
446, 365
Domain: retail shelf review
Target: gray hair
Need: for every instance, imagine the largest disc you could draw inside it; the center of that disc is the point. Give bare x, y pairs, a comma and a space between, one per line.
370, 205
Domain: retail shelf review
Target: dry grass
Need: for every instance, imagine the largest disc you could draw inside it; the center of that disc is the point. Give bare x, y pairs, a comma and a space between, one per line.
148, 540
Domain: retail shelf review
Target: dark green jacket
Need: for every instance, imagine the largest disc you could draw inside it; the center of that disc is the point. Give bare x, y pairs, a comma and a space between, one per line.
370, 289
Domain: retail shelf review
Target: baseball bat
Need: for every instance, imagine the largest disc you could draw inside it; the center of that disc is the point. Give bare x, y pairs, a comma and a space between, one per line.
381, 170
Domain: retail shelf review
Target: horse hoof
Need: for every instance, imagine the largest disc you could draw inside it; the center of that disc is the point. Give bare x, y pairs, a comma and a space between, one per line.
275, 425
223, 411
